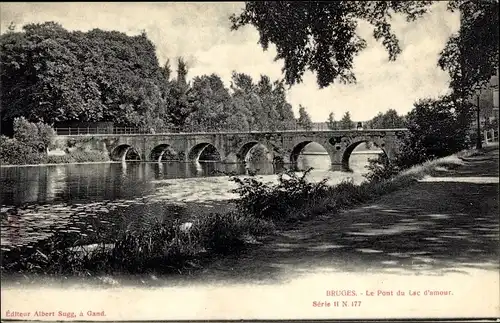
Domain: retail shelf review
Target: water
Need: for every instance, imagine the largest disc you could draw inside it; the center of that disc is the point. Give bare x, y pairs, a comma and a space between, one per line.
86, 203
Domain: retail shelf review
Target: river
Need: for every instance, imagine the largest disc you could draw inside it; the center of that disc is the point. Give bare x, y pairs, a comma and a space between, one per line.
85, 203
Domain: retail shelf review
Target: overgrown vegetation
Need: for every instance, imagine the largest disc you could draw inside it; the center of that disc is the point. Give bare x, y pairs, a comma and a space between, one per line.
160, 247
30, 143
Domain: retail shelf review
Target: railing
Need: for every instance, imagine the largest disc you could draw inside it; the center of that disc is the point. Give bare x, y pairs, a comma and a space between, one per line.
136, 131
99, 131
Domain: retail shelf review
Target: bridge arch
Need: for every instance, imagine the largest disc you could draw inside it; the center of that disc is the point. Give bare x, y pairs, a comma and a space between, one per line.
298, 148
163, 151
245, 150
204, 151
124, 152
346, 155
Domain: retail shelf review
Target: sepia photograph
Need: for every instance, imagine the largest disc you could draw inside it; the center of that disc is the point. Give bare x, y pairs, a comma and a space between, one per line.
253, 160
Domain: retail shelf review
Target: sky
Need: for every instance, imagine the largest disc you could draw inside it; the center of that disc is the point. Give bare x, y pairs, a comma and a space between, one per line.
200, 32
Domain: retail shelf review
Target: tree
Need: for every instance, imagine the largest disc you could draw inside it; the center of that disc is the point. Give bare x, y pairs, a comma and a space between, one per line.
167, 70
179, 107
346, 123
37, 136
471, 55
387, 120
210, 104
331, 123
246, 101
435, 130
321, 36
284, 109
304, 120
53, 75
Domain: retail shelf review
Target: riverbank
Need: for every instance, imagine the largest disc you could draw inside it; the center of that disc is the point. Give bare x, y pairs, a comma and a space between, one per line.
42, 159
199, 248
58, 164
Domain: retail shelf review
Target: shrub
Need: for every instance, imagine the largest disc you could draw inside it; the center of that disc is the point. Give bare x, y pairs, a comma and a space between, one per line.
381, 168
276, 201
434, 131
39, 136
14, 152
221, 233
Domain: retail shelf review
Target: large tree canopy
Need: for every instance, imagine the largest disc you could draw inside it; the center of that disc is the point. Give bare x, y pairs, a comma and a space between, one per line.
321, 36
50, 74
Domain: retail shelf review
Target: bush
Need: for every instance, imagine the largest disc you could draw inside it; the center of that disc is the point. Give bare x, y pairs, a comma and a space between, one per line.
434, 131
38, 136
158, 247
14, 152
276, 201
221, 233
29, 145
381, 168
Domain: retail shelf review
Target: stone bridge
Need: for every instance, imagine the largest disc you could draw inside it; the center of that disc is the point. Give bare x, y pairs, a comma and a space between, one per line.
233, 147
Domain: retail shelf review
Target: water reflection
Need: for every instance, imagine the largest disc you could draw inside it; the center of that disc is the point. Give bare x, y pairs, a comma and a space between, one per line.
92, 182
77, 201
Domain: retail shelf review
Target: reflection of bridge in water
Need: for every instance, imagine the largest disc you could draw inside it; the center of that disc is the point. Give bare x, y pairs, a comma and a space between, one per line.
234, 147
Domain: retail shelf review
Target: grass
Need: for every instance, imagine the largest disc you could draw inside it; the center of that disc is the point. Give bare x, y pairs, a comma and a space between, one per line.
164, 247
42, 159
159, 248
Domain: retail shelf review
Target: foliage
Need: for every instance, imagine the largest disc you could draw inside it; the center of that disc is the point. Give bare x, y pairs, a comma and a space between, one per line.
50, 74
276, 201
14, 152
435, 130
221, 232
321, 36
161, 247
78, 157
38, 136
381, 168
29, 145
260, 106
258, 153
178, 107
471, 55
210, 102
388, 120
304, 120
331, 123
346, 122
54, 75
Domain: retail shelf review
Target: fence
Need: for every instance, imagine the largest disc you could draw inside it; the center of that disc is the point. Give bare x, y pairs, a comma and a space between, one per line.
99, 131
72, 131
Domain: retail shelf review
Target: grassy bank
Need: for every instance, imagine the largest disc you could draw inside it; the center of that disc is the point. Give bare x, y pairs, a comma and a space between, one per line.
167, 247
33, 159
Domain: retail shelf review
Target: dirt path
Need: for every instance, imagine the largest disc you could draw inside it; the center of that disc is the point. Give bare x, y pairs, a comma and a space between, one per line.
443, 224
